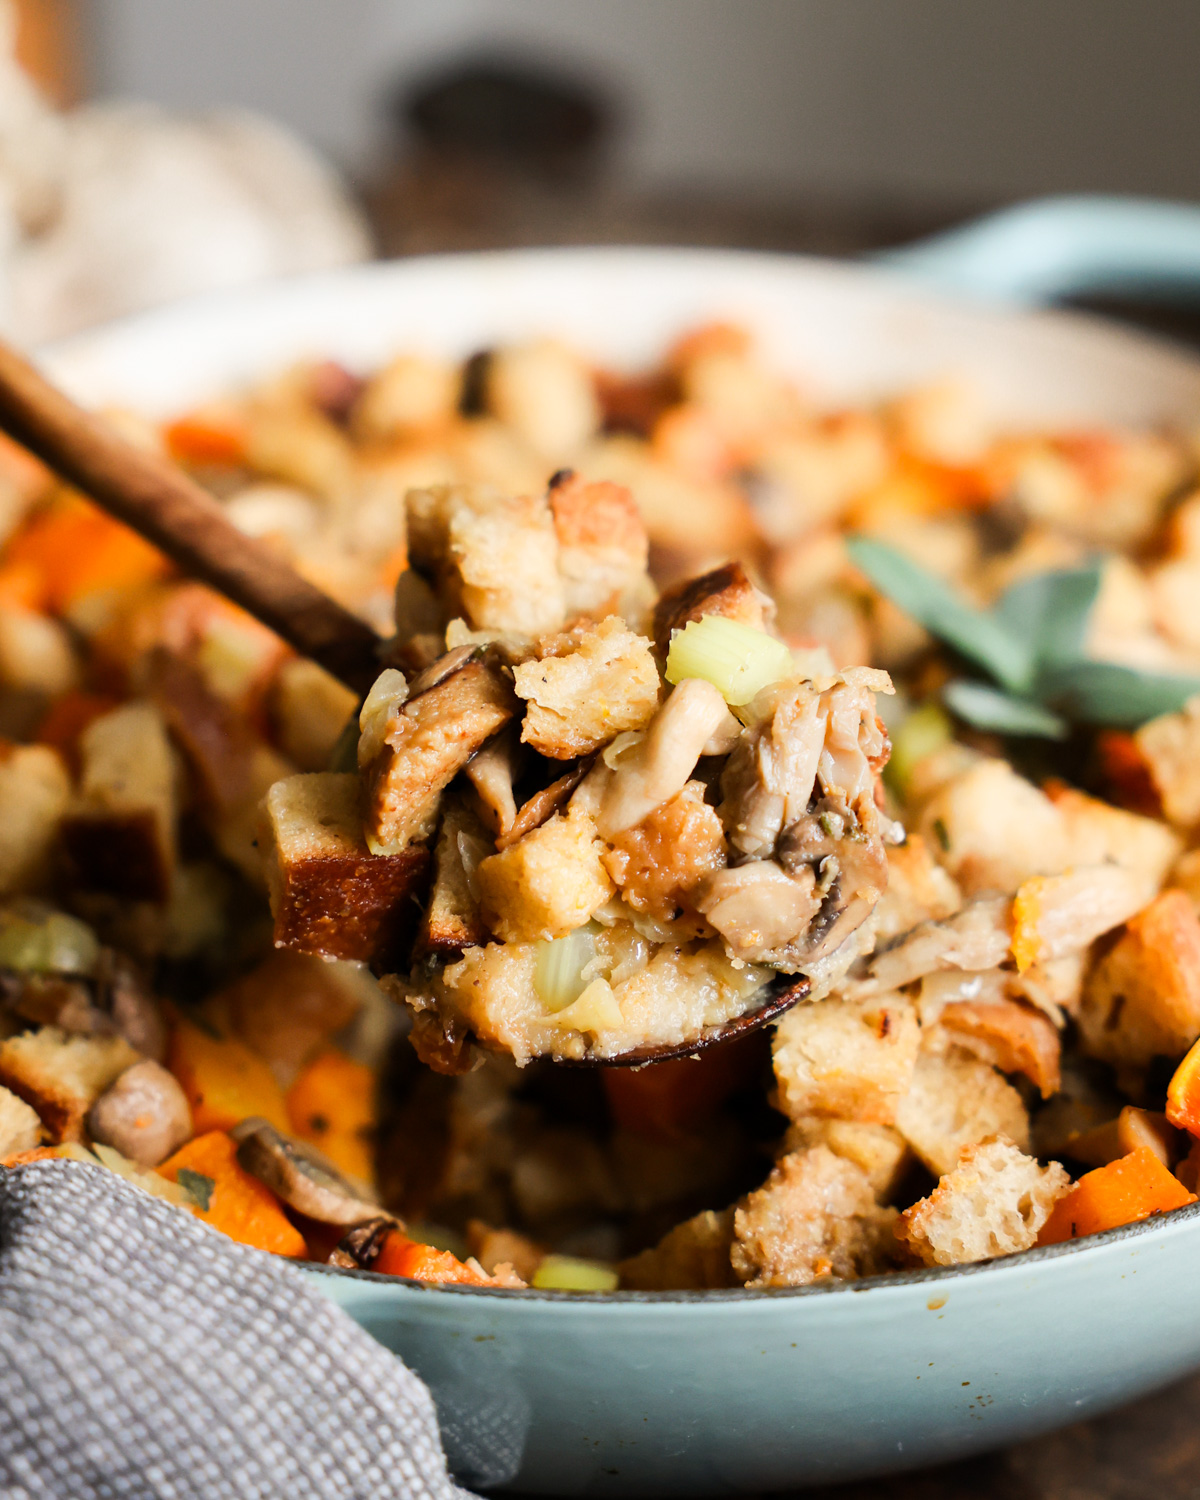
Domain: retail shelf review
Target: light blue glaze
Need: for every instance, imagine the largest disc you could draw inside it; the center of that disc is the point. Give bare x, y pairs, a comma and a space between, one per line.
1057, 247
720, 1393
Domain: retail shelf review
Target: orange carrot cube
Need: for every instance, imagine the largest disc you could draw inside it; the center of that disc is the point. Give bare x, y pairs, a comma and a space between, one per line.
229, 1198
1131, 1188
1183, 1093
223, 1080
332, 1104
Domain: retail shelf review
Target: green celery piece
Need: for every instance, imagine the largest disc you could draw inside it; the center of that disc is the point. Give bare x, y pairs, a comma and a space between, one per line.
1104, 692
1050, 611
974, 633
988, 708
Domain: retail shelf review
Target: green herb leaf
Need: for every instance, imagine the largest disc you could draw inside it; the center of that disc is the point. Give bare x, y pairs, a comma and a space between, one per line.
1050, 611
197, 1185
989, 708
1104, 692
973, 632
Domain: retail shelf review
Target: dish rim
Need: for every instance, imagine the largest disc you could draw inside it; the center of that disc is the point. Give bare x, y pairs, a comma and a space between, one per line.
893, 1281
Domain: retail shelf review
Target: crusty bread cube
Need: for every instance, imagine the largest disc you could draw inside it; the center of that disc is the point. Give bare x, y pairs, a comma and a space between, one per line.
329, 894
993, 1202
1185, 876
424, 747
544, 392
658, 861
918, 890
120, 836
452, 920
411, 393
694, 1256
1142, 997
585, 688
235, 828
847, 1059
548, 883
1170, 746
35, 789
36, 653
727, 591
309, 708
217, 742
956, 1100
62, 1074
880, 1150
20, 1127
491, 558
816, 1216
602, 544
1055, 915
1098, 833
992, 829
1013, 1037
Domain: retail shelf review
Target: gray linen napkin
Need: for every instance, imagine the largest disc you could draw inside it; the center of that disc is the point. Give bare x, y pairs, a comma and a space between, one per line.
146, 1357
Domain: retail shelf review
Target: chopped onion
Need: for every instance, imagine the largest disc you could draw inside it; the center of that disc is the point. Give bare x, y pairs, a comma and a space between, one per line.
382, 703
558, 976
37, 940
738, 660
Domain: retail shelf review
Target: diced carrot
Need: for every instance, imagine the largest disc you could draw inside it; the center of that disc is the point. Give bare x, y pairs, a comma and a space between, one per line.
332, 1104
68, 716
1183, 1093
23, 1158
223, 1080
239, 1205
1129, 1189
79, 551
23, 586
215, 436
1026, 915
401, 1256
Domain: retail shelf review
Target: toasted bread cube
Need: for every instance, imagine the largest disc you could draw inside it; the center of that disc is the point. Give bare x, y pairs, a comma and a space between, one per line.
602, 544
61, 1075
236, 828
120, 837
1186, 876
544, 392
425, 746
658, 861
452, 921
694, 1256
411, 393
1170, 745
994, 1202
329, 894
880, 1150
36, 653
847, 1059
1098, 833
310, 709
35, 790
1055, 915
918, 890
992, 829
548, 883
20, 1127
217, 742
587, 687
492, 559
815, 1217
1013, 1037
725, 591
1142, 998
955, 1101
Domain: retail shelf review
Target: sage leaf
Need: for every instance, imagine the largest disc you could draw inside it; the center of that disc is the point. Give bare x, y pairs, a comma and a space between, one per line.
1104, 692
198, 1186
988, 708
974, 633
1050, 611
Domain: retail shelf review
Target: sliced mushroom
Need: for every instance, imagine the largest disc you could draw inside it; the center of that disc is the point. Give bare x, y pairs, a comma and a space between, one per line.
493, 773
299, 1174
359, 1248
437, 672
542, 806
144, 1115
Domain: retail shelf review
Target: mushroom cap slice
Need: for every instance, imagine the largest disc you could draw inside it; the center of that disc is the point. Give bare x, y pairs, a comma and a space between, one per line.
301, 1175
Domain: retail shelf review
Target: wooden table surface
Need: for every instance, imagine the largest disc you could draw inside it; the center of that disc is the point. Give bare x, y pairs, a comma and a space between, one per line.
1149, 1451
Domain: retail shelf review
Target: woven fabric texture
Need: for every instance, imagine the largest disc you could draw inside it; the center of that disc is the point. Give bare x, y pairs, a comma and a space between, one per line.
144, 1355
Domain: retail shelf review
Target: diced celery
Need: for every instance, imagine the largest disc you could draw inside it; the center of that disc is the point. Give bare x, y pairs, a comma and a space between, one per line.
558, 974
738, 660
925, 730
36, 940
595, 1010
565, 1273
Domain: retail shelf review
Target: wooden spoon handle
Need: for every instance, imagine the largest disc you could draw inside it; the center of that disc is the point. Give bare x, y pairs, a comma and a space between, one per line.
152, 496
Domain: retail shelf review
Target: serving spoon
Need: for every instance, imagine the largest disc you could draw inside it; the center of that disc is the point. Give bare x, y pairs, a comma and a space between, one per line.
153, 497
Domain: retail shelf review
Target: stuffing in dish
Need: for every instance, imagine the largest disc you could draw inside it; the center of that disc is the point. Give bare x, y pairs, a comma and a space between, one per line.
701, 705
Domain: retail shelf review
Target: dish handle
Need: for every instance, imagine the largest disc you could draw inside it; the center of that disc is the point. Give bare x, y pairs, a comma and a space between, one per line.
1051, 248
